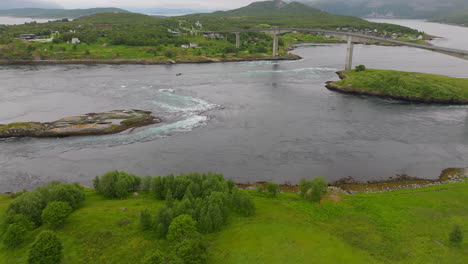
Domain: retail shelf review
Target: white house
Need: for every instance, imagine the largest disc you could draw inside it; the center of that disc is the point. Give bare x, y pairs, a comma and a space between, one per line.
76, 41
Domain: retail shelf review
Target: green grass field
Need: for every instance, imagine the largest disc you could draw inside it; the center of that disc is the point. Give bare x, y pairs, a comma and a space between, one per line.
407, 84
405, 226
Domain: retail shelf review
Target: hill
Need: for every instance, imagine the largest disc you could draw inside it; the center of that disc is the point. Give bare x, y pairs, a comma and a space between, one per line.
389, 8
118, 19
281, 14
58, 13
459, 18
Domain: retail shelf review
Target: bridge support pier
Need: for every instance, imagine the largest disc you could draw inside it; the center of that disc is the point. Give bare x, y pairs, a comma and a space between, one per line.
349, 54
237, 39
275, 45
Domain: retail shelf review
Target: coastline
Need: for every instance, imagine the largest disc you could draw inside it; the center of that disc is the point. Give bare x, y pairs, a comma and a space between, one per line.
349, 185
145, 62
353, 90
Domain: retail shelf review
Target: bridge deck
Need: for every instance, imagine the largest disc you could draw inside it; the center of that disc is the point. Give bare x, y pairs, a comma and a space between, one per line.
357, 35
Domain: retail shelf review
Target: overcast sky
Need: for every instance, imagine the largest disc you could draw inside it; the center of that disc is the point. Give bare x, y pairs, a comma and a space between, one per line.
205, 4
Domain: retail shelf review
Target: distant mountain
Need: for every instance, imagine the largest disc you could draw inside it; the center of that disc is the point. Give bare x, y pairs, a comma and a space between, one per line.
458, 17
271, 8
11, 4
58, 13
389, 8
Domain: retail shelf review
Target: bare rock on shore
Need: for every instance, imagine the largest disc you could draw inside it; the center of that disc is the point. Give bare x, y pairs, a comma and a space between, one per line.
110, 122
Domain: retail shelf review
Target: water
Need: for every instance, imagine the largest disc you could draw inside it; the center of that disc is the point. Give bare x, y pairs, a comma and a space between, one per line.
21, 20
252, 121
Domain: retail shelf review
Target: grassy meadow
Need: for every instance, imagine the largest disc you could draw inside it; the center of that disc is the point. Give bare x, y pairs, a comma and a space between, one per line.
412, 84
404, 226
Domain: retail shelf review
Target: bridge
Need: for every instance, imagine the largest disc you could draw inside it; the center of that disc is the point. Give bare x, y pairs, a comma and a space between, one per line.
350, 37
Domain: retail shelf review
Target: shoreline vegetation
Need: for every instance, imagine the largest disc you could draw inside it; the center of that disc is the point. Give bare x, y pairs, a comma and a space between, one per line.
204, 218
129, 38
406, 86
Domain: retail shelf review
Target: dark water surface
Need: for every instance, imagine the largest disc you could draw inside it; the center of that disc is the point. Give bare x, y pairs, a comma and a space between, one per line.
252, 121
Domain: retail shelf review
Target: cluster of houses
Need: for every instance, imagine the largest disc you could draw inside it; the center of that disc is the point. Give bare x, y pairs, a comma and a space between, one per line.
376, 33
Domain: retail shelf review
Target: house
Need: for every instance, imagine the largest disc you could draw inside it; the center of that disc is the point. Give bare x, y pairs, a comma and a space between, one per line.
173, 32
75, 41
28, 36
198, 24
184, 46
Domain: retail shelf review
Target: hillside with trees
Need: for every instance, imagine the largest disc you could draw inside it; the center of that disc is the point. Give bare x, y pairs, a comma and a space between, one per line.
458, 17
130, 36
389, 8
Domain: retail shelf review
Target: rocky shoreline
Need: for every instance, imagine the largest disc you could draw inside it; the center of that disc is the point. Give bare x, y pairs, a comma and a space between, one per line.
144, 62
349, 185
110, 122
331, 85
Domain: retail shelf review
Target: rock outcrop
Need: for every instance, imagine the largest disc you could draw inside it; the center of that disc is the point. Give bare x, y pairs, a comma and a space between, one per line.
110, 122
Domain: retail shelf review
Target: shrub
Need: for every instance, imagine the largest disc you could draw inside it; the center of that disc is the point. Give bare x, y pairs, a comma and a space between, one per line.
360, 68
55, 213
456, 236
47, 249
314, 189
31, 204
272, 189
14, 235
182, 227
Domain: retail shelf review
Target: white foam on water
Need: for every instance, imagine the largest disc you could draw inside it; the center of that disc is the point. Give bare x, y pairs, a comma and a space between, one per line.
188, 112
143, 135
299, 70
172, 103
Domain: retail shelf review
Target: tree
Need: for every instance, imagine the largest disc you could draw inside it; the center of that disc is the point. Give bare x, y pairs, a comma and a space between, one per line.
73, 194
456, 236
55, 213
319, 187
155, 257
272, 189
242, 203
146, 183
163, 220
30, 205
157, 188
181, 227
191, 250
145, 220
46, 249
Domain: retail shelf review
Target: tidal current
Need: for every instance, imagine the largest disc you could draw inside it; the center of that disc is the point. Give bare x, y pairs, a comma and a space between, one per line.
251, 121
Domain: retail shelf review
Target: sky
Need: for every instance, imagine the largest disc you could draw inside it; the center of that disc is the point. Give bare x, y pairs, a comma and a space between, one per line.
193, 4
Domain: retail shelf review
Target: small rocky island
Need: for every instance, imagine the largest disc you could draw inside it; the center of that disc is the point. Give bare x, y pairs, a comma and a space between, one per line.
110, 122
